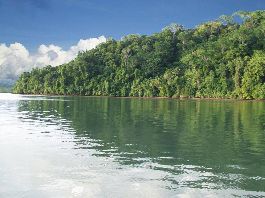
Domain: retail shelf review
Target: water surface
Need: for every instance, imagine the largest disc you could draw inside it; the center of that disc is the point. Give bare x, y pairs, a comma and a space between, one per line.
119, 147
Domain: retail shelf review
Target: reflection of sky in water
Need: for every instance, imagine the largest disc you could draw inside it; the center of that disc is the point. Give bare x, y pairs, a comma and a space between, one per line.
42, 156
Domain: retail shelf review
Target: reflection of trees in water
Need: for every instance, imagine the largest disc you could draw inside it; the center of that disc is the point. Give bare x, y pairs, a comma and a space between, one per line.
170, 132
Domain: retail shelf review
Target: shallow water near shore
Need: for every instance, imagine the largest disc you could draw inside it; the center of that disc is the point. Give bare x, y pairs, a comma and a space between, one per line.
55, 146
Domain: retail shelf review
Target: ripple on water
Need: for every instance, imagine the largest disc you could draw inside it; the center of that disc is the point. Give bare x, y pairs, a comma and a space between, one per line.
98, 147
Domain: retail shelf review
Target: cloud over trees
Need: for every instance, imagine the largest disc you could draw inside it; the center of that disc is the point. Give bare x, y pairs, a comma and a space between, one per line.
16, 59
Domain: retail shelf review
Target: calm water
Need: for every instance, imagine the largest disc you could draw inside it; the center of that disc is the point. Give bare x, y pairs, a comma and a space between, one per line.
66, 147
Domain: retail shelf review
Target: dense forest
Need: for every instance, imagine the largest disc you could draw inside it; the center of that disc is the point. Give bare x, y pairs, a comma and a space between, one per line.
224, 58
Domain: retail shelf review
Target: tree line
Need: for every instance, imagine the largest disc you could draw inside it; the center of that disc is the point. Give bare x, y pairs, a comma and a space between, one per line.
224, 58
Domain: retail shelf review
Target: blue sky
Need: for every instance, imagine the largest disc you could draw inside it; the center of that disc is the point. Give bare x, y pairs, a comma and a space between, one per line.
64, 22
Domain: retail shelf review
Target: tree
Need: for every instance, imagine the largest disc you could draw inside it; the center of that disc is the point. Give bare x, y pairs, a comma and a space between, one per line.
253, 83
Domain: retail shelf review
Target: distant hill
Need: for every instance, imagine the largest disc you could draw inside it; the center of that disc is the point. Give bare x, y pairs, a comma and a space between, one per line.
224, 58
5, 89
6, 86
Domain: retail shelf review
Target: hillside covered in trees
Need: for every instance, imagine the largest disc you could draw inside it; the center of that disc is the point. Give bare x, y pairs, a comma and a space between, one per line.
224, 58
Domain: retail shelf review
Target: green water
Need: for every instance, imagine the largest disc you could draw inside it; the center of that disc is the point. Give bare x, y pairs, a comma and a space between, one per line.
121, 147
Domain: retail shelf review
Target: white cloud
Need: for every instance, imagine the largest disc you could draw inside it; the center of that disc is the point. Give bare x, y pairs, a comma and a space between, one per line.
15, 58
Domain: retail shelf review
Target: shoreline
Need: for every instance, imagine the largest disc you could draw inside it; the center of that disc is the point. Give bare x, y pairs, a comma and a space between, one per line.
137, 97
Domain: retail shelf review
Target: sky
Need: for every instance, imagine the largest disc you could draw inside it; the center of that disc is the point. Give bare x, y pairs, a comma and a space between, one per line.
29, 26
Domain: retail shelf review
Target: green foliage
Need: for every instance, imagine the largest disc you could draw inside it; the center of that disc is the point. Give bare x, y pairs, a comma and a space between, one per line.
218, 59
253, 82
